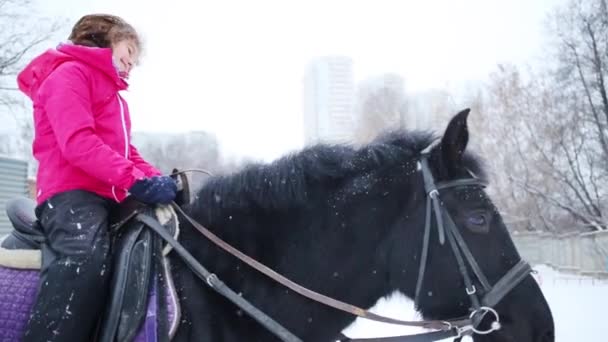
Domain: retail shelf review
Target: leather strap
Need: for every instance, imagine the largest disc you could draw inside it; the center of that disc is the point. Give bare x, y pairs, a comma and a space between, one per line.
507, 283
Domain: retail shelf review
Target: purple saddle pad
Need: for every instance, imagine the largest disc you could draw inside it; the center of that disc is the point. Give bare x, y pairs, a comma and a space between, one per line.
18, 292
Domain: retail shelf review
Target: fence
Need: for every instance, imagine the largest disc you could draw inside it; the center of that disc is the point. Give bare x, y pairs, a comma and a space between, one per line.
13, 182
582, 253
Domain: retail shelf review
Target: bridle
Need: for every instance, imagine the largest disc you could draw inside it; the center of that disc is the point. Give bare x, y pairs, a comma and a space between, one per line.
455, 328
446, 227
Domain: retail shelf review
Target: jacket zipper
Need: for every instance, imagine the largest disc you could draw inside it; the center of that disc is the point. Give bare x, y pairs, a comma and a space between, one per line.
124, 130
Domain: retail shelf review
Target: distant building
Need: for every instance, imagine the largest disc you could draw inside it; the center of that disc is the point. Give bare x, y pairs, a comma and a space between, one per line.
328, 100
430, 109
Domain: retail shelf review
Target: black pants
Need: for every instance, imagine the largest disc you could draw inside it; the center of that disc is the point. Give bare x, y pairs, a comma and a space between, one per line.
76, 267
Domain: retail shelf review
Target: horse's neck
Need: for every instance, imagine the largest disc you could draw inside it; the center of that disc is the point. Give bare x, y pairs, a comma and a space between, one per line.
321, 268
328, 253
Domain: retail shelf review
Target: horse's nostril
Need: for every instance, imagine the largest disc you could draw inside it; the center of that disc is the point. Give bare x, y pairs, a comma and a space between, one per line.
548, 336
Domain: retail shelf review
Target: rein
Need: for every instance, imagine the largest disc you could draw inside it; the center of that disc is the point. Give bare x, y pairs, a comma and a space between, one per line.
334, 303
455, 328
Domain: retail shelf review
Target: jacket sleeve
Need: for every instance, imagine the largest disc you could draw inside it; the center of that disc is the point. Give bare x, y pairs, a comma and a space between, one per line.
65, 96
141, 164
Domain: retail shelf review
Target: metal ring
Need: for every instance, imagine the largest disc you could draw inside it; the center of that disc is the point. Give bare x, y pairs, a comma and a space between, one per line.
433, 193
493, 327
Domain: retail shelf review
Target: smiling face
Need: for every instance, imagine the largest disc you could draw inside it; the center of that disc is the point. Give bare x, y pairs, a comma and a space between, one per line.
125, 55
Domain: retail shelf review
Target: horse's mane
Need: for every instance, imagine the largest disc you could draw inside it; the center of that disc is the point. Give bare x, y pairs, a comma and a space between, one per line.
287, 181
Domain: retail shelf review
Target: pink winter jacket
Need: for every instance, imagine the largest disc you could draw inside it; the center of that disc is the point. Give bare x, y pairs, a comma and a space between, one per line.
82, 125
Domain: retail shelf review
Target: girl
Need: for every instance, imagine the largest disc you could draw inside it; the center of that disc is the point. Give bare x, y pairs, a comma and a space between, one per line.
86, 166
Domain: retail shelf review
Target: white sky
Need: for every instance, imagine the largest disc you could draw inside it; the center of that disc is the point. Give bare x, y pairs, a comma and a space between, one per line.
235, 68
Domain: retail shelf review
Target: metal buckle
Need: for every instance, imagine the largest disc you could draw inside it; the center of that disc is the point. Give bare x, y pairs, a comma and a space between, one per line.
471, 292
493, 327
448, 325
210, 279
466, 330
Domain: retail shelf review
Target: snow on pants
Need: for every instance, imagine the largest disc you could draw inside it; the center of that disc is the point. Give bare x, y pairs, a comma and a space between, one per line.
75, 267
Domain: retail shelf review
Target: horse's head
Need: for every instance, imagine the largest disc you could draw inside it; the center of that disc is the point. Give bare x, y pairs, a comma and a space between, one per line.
467, 238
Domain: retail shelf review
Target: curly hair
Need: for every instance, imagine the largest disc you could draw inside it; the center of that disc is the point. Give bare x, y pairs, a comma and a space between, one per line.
102, 30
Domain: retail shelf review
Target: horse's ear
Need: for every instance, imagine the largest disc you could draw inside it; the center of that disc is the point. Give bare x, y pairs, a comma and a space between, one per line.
455, 138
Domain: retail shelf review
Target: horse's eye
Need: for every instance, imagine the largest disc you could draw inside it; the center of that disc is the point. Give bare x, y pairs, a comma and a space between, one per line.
478, 222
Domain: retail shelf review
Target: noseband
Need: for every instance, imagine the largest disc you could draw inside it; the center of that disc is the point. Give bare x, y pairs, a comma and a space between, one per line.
446, 227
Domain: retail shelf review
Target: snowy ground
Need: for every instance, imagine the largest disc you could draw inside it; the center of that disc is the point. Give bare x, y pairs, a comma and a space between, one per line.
578, 305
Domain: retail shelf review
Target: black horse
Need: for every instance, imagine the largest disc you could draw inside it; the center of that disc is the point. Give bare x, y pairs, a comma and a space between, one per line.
350, 223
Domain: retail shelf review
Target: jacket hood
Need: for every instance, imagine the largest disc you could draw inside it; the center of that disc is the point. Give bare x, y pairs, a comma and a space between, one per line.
32, 76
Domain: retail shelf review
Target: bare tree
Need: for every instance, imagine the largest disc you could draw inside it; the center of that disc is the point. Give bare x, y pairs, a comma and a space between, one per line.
519, 136
381, 104
21, 32
182, 151
554, 125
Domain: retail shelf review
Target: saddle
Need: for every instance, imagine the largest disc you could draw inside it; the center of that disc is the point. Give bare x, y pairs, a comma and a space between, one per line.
137, 282
142, 299
27, 234
23, 247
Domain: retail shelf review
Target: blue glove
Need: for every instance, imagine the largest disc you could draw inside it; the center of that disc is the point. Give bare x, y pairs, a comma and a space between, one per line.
155, 190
